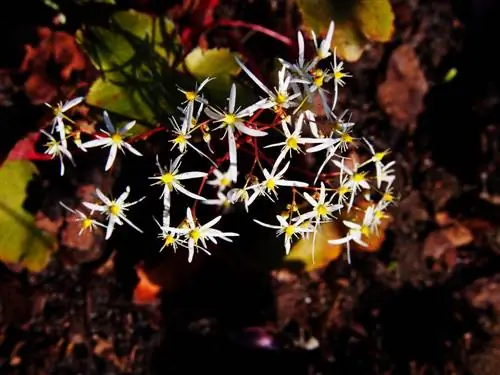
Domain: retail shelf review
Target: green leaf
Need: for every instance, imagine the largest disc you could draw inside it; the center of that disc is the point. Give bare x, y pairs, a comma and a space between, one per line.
20, 240
375, 19
349, 41
135, 55
218, 63
120, 99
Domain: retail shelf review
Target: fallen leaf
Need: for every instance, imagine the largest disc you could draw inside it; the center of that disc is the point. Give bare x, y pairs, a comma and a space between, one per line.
58, 47
375, 19
357, 22
25, 149
324, 252
349, 41
20, 240
145, 292
458, 234
401, 94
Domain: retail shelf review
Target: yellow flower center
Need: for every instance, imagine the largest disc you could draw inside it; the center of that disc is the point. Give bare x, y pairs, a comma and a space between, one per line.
167, 178
380, 155
270, 184
180, 139
365, 231
281, 98
87, 223
290, 230
321, 210
114, 209
346, 138
195, 235
229, 119
169, 240
358, 177
338, 75
116, 138
224, 181
318, 77
343, 190
190, 95
388, 197
292, 143
379, 214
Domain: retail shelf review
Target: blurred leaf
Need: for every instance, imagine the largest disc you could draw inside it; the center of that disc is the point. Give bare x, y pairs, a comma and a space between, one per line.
375, 19
349, 41
20, 240
324, 252
218, 63
356, 22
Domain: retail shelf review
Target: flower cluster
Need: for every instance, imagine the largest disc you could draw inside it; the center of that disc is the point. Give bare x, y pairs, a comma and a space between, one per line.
314, 199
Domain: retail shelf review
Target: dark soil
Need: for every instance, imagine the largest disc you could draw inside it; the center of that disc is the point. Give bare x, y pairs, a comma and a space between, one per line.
426, 303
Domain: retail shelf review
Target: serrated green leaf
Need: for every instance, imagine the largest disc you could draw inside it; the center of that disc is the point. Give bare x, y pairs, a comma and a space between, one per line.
20, 240
375, 19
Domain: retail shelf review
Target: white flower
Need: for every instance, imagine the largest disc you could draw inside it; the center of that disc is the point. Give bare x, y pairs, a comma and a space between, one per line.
87, 223
222, 201
322, 210
221, 180
383, 172
275, 179
356, 231
59, 116
280, 97
356, 182
288, 229
292, 141
196, 234
171, 180
56, 149
194, 96
323, 49
169, 238
113, 209
242, 195
114, 140
231, 120
338, 77
182, 137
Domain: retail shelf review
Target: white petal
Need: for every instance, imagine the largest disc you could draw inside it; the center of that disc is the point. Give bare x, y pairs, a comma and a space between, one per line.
189, 175
184, 191
249, 131
232, 99
72, 103
111, 158
129, 147
97, 142
127, 127
107, 122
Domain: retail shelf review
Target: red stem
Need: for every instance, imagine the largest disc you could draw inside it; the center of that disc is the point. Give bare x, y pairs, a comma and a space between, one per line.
252, 26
